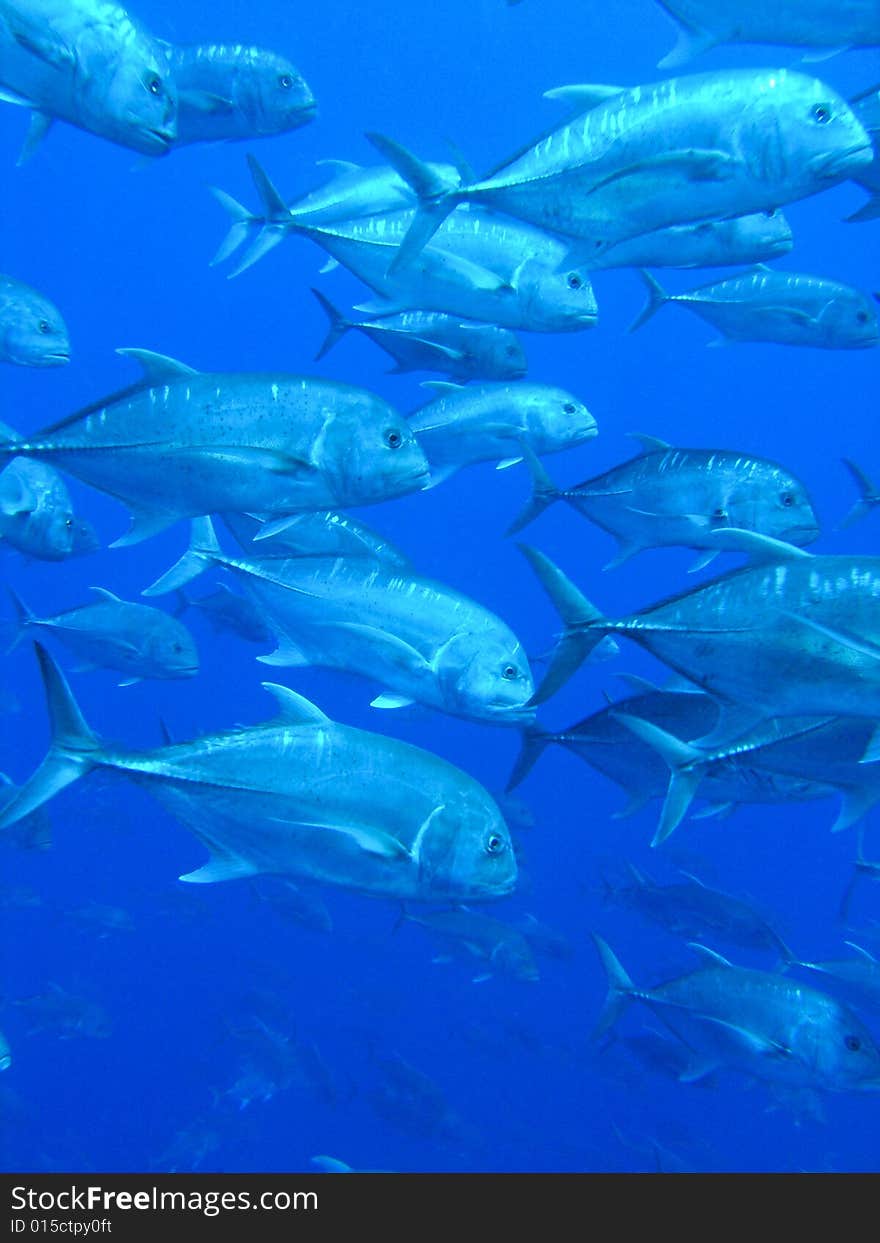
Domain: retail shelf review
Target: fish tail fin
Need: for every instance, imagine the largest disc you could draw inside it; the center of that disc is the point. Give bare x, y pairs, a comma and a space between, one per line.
868, 495
585, 626
868, 211
620, 987
277, 211
242, 222
687, 766
533, 743
73, 751
435, 195
23, 618
339, 325
203, 548
544, 492
657, 297
276, 220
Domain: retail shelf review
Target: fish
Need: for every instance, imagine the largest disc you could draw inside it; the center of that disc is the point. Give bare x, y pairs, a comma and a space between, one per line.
812, 24
668, 497
789, 635
496, 422
134, 639
295, 904
509, 279
32, 330
300, 796
324, 533
785, 308
855, 979
226, 610
693, 910
229, 92
701, 147
36, 511
5, 1053
34, 832
751, 239
64, 1014
503, 949
543, 939
91, 65
763, 1023
433, 341
182, 443
423, 641
866, 106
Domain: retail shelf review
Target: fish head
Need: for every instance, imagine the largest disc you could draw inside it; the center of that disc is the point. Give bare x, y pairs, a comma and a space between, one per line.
512, 956
272, 93
134, 100
770, 500
84, 538
844, 1054
849, 321
556, 301
369, 453
170, 650
55, 535
794, 126
487, 678
554, 418
465, 852
36, 335
766, 231
497, 354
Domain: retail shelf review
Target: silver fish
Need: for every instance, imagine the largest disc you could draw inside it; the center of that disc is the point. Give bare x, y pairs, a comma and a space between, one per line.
88, 63
503, 948
231, 91
32, 331
422, 640
322, 534
709, 244
36, 512
135, 639
667, 497
759, 1022
301, 796
787, 308
184, 442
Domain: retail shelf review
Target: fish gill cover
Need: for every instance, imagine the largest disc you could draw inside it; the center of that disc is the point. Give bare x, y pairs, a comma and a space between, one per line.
514, 864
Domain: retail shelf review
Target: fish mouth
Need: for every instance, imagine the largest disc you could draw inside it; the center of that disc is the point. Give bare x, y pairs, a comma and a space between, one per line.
859, 155
806, 534
307, 112
56, 359
587, 318
186, 671
158, 140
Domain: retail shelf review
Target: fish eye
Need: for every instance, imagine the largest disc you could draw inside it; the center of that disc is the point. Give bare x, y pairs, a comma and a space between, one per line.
771, 212
719, 513
787, 499
285, 81
495, 844
512, 351
177, 647
68, 522
570, 408
509, 672
154, 86
574, 281
393, 439
862, 317
821, 114
853, 1043
44, 326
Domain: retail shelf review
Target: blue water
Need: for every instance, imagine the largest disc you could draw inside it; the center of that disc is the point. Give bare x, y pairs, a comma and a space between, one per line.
518, 1084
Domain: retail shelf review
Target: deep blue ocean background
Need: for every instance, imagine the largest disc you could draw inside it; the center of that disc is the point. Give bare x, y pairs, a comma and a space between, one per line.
122, 246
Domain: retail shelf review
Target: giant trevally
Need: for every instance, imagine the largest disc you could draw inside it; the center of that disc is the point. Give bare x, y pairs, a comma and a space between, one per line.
759, 1022
692, 910
508, 277
668, 497
231, 91
183, 443
787, 308
619, 741
789, 635
503, 949
496, 422
301, 796
702, 147
135, 639
88, 63
866, 106
422, 640
856, 979
36, 512
432, 341
32, 332
225, 609
819, 25
709, 244
321, 534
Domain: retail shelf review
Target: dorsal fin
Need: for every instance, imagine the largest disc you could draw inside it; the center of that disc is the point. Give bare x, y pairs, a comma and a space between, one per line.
709, 956
107, 595
294, 709
650, 444
157, 368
